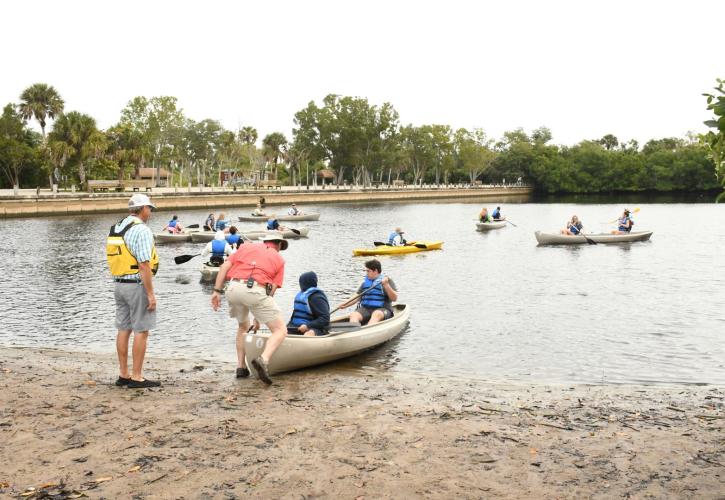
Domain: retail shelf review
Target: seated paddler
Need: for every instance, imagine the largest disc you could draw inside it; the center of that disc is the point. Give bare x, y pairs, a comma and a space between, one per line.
217, 249
396, 238
173, 226
311, 313
375, 295
483, 215
624, 223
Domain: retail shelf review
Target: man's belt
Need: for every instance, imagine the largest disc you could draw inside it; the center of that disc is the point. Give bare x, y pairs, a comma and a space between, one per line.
126, 280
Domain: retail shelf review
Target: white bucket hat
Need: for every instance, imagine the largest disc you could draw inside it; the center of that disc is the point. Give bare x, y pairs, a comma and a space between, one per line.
140, 200
283, 243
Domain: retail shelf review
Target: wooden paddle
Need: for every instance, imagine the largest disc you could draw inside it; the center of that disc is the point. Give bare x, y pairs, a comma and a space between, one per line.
180, 259
192, 226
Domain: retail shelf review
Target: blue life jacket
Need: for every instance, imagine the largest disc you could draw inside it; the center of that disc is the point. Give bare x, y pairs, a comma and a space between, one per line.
574, 229
172, 223
374, 298
217, 248
496, 214
302, 313
220, 225
623, 224
272, 225
233, 239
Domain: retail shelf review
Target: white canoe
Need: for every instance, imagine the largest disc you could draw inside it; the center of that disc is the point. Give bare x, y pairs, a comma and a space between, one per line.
265, 218
202, 236
166, 237
297, 351
563, 239
487, 226
288, 233
208, 273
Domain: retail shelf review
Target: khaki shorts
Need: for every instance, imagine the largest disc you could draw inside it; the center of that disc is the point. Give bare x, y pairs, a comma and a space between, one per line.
243, 300
132, 308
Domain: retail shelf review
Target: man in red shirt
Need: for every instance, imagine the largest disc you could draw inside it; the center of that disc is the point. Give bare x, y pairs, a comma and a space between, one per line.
254, 272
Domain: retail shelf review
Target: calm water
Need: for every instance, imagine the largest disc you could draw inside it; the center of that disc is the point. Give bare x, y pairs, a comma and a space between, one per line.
489, 306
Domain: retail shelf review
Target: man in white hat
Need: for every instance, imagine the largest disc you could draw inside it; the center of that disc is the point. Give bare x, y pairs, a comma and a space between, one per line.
133, 261
255, 272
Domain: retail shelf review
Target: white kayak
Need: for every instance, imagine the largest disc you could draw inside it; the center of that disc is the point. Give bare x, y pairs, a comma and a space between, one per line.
208, 272
202, 236
265, 218
564, 239
487, 226
166, 237
288, 233
348, 339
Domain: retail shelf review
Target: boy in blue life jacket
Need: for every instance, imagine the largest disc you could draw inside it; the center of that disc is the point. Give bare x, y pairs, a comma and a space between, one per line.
376, 295
311, 313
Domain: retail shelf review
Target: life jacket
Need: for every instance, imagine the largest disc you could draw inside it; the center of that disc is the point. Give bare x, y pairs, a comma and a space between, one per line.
496, 214
272, 225
233, 239
217, 248
120, 259
172, 223
374, 298
220, 225
292, 211
485, 218
302, 313
209, 224
574, 228
623, 224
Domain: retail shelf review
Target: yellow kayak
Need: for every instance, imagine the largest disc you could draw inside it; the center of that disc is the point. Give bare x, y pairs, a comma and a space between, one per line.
410, 247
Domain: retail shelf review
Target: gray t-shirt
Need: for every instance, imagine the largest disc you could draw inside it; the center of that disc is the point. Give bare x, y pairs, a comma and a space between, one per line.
388, 303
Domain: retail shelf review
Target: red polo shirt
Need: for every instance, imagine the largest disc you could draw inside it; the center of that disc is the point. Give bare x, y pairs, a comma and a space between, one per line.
263, 263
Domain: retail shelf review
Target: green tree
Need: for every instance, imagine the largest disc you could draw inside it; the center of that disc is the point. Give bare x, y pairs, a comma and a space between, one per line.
18, 146
715, 138
78, 131
274, 148
40, 101
609, 142
474, 152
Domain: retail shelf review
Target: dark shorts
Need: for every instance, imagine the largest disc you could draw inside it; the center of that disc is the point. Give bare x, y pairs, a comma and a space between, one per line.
367, 313
292, 330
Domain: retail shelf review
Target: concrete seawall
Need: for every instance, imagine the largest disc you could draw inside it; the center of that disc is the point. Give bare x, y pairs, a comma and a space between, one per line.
76, 203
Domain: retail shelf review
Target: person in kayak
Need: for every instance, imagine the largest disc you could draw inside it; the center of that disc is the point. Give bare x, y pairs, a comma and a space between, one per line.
497, 214
573, 227
210, 223
483, 215
218, 249
174, 226
259, 211
221, 223
234, 238
273, 224
375, 295
311, 314
293, 210
624, 223
395, 239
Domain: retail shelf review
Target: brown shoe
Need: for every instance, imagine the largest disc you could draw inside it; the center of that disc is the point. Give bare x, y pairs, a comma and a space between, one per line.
261, 368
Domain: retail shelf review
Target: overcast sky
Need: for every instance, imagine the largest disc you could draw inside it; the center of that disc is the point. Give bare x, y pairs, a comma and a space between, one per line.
635, 69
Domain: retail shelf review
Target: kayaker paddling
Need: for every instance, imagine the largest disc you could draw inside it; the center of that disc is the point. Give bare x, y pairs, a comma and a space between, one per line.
573, 227
396, 238
624, 223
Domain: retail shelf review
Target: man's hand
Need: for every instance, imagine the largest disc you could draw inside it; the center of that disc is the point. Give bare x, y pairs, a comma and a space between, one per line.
216, 300
255, 325
152, 301
385, 280
302, 328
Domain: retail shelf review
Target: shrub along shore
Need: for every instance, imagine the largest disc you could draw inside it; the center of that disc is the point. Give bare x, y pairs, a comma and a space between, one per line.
30, 205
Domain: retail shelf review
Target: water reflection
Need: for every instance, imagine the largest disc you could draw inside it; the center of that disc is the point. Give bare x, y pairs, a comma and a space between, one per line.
489, 305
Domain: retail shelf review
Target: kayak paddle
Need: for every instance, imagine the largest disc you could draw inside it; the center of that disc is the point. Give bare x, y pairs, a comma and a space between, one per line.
192, 226
514, 225
630, 213
180, 259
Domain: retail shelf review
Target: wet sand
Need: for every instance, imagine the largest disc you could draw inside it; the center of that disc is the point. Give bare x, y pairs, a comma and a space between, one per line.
66, 430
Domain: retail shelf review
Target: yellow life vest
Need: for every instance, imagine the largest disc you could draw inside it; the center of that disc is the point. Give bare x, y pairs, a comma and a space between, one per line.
120, 259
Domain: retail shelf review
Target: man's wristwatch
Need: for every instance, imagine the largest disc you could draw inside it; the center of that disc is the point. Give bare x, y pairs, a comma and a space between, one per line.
219, 291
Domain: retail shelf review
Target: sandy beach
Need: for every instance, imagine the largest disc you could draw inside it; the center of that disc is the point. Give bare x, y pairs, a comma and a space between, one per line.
67, 431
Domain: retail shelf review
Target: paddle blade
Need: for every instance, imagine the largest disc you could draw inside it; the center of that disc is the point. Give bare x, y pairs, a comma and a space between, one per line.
296, 231
420, 245
380, 244
192, 226
180, 259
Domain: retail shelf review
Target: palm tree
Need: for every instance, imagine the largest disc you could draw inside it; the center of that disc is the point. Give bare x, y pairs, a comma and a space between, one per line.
274, 145
80, 133
40, 101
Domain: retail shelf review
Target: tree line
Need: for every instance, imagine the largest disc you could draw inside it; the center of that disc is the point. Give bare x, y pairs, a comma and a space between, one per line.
356, 141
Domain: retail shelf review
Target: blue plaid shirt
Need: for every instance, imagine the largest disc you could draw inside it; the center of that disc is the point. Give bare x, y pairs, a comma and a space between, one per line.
139, 240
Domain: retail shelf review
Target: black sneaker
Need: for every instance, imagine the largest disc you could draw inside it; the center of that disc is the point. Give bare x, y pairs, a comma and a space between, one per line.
261, 368
242, 372
122, 381
143, 384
